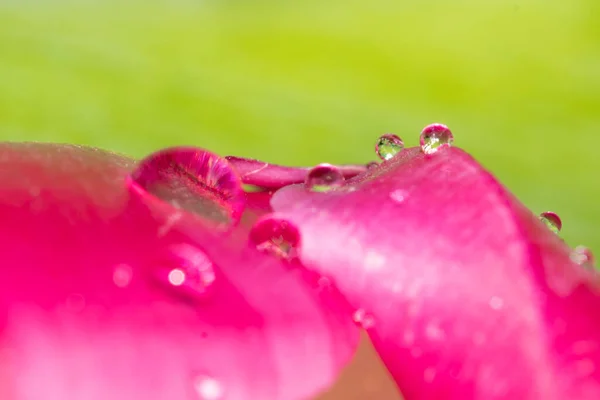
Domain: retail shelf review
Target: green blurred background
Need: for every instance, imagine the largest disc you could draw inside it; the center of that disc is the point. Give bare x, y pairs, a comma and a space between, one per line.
309, 81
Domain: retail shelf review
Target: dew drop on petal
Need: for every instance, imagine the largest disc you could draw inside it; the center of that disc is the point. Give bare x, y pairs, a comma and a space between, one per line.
398, 195
191, 179
122, 275
185, 270
275, 236
372, 164
434, 137
552, 221
208, 388
388, 146
363, 319
583, 256
324, 177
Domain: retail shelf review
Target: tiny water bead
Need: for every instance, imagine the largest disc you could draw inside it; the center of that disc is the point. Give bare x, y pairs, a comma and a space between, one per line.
583, 256
185, 270
324, 177
208, 388
434, 137
275, 236
388, 146
122, 275
193, 180
552, 221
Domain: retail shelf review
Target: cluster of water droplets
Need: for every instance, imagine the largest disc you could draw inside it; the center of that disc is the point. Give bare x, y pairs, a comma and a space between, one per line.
433, 138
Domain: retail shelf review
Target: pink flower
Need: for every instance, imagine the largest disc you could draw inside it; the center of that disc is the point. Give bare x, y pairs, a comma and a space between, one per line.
167, 279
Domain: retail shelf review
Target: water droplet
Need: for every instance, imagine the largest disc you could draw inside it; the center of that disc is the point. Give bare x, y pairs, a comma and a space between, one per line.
208, 388
186, 270
372, 164
122, 275
399, 195
324, 177
552, 221
434, 137
193, 180
275, 236
583, 256
388, 146
364, 319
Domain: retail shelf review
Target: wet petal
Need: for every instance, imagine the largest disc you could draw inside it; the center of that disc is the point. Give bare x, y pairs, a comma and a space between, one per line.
106, 295
468, 295
273, 176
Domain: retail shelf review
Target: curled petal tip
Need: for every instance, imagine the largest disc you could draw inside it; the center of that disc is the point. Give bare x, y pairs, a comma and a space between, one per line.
273, 176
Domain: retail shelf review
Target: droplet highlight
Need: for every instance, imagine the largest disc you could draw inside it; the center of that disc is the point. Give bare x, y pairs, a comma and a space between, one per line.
363, 319
434, 137
275, 236
191, 179
185, 270
323, 178
122, 275
208, 388
583, 256
388, 146
552, 221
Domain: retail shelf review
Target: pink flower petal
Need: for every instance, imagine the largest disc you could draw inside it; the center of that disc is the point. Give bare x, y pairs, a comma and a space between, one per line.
106, 296
464, 292
272, 176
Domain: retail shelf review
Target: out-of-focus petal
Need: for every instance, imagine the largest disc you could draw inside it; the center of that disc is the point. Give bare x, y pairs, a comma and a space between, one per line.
107, 296
273, 176
464, 292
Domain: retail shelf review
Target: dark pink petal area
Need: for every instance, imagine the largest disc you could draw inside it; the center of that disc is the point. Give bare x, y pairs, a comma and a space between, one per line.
464, 292
106, 296
273, 176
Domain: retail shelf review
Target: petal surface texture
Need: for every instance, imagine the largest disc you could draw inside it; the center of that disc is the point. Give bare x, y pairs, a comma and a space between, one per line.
464, 292
108, 293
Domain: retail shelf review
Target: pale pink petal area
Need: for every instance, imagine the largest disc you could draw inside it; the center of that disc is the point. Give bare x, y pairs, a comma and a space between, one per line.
464, 292
105, 295
273, 176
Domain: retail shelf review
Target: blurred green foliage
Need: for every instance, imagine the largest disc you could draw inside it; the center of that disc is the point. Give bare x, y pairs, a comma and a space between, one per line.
301, 82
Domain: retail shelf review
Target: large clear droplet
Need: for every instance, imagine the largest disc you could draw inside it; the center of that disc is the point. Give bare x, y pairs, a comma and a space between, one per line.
275, 236
191, 179
552, 221
324, 177
583, 256
388, 146
434, 137
185, 270
208, 388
